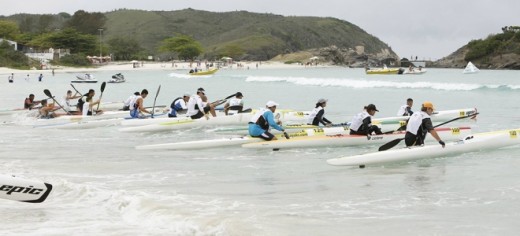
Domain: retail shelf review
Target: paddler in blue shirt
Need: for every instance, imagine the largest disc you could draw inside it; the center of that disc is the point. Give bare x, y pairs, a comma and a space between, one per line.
262, 120
418, 125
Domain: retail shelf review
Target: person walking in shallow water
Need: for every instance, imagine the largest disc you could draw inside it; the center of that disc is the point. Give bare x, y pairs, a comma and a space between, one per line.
40, 78
11, 78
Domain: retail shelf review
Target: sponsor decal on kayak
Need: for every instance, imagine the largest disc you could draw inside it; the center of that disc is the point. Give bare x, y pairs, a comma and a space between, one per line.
19, 189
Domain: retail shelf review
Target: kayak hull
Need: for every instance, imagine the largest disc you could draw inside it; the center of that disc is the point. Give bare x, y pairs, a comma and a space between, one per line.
342, 140
471, 143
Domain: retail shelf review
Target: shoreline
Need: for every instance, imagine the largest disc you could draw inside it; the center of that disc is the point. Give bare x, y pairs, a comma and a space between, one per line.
127, 65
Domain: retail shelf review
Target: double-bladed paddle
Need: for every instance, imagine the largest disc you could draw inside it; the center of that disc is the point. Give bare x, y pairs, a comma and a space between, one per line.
394, 142
48, 93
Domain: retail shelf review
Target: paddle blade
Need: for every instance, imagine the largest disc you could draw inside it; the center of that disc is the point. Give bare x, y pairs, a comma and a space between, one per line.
103, 86
230, 96
286, 135
47, 92
390, 144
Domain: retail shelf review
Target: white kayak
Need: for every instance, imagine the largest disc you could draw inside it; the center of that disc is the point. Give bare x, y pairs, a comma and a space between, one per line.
471, 143
23, 190
342, 140
181, 123
385, 123
226, 142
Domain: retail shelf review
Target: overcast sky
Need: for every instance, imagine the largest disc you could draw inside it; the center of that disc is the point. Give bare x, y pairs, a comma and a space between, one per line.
428, 29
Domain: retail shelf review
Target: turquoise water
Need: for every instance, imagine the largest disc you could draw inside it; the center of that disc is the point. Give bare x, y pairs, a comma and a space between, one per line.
103, 186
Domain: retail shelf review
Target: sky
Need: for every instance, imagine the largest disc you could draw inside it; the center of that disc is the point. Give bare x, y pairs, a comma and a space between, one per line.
426, 29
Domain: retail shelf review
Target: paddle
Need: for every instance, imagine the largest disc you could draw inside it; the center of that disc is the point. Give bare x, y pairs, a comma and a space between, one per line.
48, 93
394, 142
76, 90
220, 101
156, 94
101, 95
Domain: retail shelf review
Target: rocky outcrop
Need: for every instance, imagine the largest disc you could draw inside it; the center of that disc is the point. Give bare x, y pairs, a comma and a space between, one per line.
356, 58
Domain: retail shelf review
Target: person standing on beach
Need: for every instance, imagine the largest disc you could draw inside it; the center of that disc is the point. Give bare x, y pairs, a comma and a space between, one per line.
27, 78
11, 78
40, 78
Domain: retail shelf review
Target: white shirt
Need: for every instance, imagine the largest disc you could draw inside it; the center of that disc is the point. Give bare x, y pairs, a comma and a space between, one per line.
132, 102
129, 100
403, 111
313, 114
357, 121
194, 100
236, 102
415, 121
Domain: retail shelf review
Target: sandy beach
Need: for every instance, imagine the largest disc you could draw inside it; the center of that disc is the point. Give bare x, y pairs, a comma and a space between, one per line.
146, 65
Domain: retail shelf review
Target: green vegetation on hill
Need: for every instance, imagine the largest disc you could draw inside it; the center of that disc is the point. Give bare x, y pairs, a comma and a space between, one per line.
240, 34
506, 42
260, 36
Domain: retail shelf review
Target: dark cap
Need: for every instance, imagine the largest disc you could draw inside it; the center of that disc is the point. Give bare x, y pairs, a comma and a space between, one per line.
372, 107
137, 93
239, 94
200, 89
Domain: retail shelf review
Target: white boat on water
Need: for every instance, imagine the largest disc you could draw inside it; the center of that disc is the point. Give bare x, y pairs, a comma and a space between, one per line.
236, 119
470, 69
471, 143
85, 78
342, 140
385, 123
414, 71
117, 78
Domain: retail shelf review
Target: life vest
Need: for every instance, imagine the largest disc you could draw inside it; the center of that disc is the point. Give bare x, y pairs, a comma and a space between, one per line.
358, 120
172, 106
415, 122
259, 119
313, 114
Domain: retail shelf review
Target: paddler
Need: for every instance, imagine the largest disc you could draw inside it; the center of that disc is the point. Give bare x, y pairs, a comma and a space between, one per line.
30, 103
179, 105
86, 107
137, 107
235, 103
406, 110
198, 106
419, 124
317, 115
262, 120
362, 123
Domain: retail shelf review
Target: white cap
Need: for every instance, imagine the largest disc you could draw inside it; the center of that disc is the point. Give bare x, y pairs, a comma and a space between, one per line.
187, 95
322, 100
271, 104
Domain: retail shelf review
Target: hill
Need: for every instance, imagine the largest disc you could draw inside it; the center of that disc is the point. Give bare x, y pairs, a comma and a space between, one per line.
499, 51
261, 36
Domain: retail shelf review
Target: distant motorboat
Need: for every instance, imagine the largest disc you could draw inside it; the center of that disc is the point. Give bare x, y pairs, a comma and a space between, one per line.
86, 78
414, 71
384, 71
470, 69
204, 72
117, 78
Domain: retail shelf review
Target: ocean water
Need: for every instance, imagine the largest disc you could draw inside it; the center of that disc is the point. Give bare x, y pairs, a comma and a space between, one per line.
103, 186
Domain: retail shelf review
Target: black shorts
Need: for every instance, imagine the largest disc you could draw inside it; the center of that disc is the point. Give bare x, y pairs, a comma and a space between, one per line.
200, 114
266, 136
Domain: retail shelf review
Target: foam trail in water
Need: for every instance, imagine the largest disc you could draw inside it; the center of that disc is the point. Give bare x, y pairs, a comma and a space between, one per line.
361, 83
